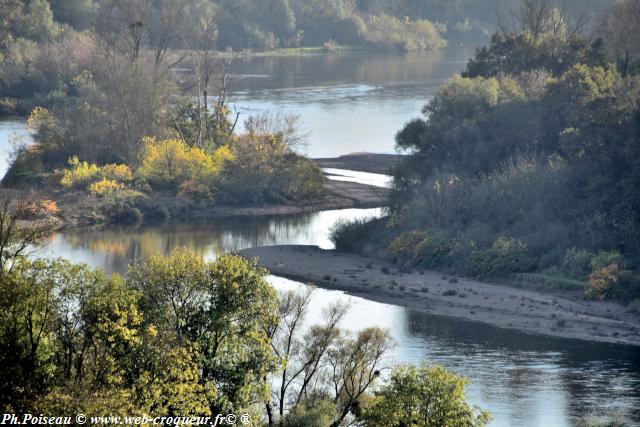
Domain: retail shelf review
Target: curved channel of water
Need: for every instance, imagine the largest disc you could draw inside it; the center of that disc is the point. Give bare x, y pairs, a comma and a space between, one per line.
357, 103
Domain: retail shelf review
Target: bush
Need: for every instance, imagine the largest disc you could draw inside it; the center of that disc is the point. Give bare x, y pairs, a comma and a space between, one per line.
117, 172
404, 246
80, 175
195, 191
120, 212
577, 263
434, 251
389, 32
264, 169
152, 211
169, 163
98, 180
604, 259
613, 282
354, 236
305, 179
104, 187
506, 256
602, 282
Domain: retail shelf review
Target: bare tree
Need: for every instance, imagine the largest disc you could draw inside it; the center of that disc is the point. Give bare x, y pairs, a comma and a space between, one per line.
225, 80
283, 126
541, 17
301, 355
118, 27
16, 237
323, 361
355, 366
619, 26
285, 342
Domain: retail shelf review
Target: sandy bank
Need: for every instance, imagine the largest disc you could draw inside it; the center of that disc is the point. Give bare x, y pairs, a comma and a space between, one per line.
502, 306
363, 162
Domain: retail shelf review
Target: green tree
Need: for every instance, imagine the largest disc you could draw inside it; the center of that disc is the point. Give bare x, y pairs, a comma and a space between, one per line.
221, 307
423, 396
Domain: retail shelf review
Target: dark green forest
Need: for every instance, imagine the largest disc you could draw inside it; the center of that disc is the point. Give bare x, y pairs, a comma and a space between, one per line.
527, 166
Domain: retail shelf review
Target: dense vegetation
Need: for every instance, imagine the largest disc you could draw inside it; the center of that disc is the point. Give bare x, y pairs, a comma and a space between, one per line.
115, 122
183, 337
527, 164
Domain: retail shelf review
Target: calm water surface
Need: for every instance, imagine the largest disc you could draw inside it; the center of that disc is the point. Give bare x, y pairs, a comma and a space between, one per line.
357, 102
348, 102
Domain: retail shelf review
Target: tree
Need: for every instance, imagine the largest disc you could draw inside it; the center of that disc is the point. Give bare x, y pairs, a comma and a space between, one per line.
16, 238
321, 366
619, 26
223, 308
37, 22
541, 17
423, 396
355, 366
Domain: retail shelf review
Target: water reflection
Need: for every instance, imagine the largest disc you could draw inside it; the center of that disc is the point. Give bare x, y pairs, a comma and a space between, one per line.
114, 249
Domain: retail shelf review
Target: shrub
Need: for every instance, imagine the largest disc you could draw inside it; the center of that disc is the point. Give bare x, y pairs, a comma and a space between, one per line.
120, 212
577, 262
169, 163
43, 208
85, 175
305, 179
604, 259
104, 187
435, 250
49, 207
117, 172
264, 169
354, 236
389, 32
80, 175
195, 191
404, 246
506, 256
152, 211
329, 46
613, 282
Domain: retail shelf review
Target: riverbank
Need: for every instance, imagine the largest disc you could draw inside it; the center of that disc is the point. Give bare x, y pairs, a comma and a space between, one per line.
362, 162
78, 209
502, 306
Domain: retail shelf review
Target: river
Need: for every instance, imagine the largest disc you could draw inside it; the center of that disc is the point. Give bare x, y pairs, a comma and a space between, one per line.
357, 102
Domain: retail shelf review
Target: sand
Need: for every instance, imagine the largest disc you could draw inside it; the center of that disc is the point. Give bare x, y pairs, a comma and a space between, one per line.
499, 305
363, 162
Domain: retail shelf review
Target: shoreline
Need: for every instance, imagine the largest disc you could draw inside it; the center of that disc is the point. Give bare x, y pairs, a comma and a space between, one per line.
498, 305
362, 162
77, 210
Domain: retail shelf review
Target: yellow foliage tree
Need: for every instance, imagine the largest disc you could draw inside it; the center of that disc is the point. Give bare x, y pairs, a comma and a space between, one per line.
172, 162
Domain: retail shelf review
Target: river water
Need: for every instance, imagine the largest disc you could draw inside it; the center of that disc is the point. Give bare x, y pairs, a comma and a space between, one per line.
357, 102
